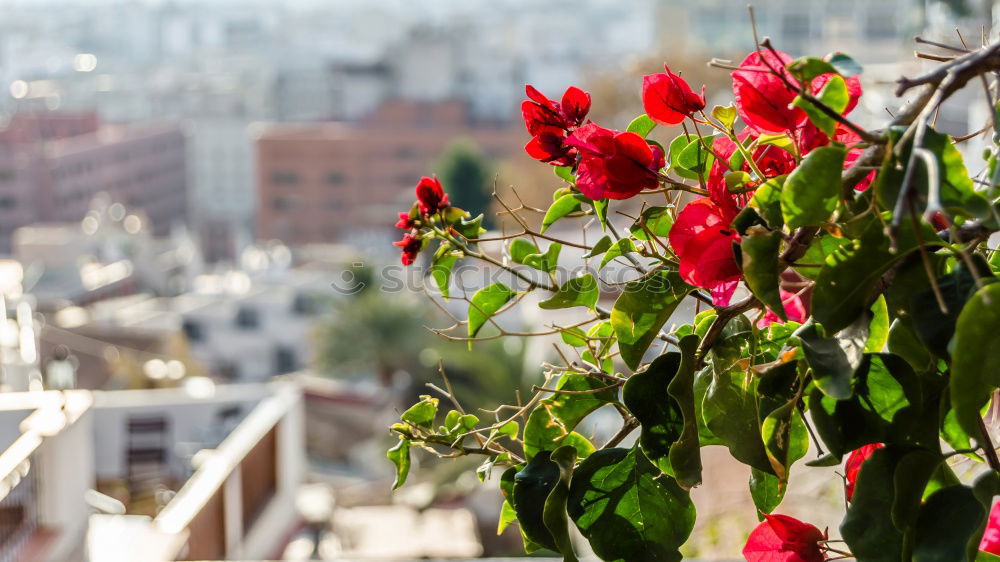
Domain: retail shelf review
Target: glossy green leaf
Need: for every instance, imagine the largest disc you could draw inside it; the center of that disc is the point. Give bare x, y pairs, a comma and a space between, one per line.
934, 326
657, 220
422, 413
685, 452
975, 369
469, 228
767, 200
785, 437
811, 192
555, 416
564, 173
617, 250
868, 527
729, 409
602, 246
661, 419
810, 264
642, 309
627, 509
641, 125
485, 303
574, 337
561, 207
945, 524
554, 511
676, 147
761, 271
400, 457
835, 360
601, 212
807, 68
695, 157
532, 485
525, 253
878, 328
578, 291
441, 267
834, 96
725, 115
766, 490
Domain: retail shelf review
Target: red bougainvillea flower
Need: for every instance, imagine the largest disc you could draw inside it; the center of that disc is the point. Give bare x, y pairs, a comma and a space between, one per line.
703, 237
763, 100
431, 197
853, 466
784, 539
549, 123
411, 245
668, 99
771, 160
406, 222
795, 310
613, 164
991, 537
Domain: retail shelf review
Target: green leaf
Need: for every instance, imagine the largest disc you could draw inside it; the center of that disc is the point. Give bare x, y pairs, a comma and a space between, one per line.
627, 509
845, 283
934, 327
507, 516
618, 249
574, 337
886, 408
564, 173
867, 528
761, 270
845, 65
835, 360
601, 212
833, 95
767, 200
400, 456
661, 419
602, 246
441, 266
676, 147
695, 158
807, 68
641, 125
556, 416
975, 370
554, 512
642, 309
685, 453
811, 192
561, 207
945, 524
578, 291
767, 490
469, 228
485, 303
422, 413
729, 409
725, 115
657, 220
819, 248
785, 436
532, 485
878, 329
525, 253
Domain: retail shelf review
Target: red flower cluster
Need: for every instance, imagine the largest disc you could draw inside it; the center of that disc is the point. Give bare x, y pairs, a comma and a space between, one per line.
795, 310
853, 466
549, 123
784, 539
613, 164
431, 199
668, 99
991, 536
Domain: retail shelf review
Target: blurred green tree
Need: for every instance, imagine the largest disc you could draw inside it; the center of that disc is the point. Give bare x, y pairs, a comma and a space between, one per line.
465, 172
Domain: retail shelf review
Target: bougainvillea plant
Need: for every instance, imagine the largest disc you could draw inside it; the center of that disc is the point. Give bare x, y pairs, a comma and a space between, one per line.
849, 307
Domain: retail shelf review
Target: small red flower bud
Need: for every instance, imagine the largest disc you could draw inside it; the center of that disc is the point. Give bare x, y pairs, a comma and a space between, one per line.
431, 197
853, 466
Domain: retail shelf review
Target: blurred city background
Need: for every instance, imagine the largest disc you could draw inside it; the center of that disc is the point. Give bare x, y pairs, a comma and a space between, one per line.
201, 353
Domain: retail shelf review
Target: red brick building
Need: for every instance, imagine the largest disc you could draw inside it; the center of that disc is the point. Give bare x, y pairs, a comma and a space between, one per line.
327, 182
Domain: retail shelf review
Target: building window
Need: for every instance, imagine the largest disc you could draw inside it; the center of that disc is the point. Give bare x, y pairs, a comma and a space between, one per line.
285, 177
336, 178
194, 331
247, 318
283, 204
284, 360
305, 305
7, 175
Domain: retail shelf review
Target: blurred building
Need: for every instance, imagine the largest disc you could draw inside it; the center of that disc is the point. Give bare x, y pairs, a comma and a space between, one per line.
329, 182
172, 466
52, 166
